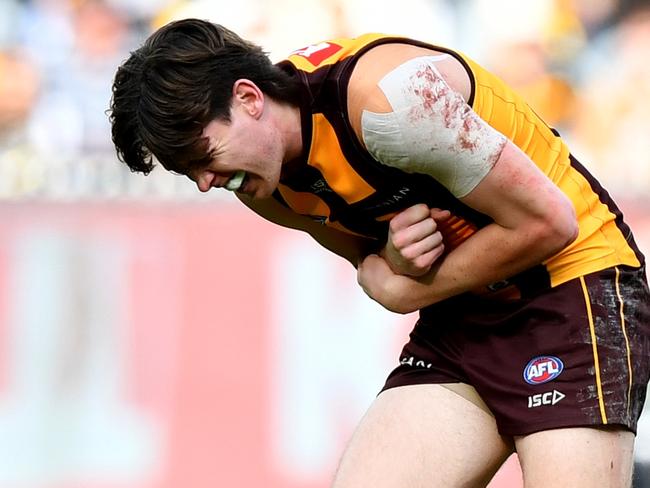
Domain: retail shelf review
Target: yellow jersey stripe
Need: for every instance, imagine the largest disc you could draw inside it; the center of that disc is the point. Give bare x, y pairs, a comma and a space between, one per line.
627, 341
304, 203
592, 330
328, 158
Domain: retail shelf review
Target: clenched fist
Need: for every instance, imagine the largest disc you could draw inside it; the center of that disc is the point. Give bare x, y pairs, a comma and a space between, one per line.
414, 241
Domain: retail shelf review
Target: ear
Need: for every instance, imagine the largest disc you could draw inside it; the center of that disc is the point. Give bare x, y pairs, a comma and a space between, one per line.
248, 96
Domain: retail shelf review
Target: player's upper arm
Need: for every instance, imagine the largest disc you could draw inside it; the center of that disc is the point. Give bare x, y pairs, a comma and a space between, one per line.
516, 194
408, 106
348, 246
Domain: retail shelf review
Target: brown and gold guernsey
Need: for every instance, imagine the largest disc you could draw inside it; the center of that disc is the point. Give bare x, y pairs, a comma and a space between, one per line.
339, 184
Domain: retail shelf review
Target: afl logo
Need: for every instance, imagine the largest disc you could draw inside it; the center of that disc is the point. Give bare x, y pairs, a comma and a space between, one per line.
543, 369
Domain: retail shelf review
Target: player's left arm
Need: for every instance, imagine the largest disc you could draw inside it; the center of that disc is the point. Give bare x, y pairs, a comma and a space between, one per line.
532, 218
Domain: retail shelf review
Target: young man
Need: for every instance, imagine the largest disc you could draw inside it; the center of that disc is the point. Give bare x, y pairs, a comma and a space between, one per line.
453, 197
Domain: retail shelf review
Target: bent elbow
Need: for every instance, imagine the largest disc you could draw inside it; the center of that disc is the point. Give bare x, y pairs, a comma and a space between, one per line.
402, 308
568, 229
571, 233
561, 230
398, 302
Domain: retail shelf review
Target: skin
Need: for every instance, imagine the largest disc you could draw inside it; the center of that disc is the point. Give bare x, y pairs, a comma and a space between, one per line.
393, 448
260, 138
532, 221
414, 242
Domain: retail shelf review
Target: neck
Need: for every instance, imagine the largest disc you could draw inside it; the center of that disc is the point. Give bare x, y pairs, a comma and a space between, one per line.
290, 128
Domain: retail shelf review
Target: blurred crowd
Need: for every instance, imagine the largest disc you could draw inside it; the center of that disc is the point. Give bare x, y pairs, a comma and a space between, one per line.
583, 65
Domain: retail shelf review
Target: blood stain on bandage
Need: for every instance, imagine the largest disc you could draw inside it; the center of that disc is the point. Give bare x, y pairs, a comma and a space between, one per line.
438, 99
431, 130
430, 90
469, 127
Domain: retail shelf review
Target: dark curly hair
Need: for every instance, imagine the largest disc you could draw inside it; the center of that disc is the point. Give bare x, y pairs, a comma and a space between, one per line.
181, 78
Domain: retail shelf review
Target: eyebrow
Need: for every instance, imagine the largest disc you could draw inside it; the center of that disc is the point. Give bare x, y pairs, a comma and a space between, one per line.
202, 161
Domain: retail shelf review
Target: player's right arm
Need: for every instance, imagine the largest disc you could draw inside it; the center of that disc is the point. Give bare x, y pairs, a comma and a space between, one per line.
350, 247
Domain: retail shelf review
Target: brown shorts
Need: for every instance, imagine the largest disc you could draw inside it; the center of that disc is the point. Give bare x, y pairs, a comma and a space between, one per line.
574, 355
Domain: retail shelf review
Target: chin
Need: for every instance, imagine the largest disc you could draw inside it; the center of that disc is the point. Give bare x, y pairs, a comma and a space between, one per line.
267, 188
261, 192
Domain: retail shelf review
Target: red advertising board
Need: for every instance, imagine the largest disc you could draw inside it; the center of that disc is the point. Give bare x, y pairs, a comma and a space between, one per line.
182, 345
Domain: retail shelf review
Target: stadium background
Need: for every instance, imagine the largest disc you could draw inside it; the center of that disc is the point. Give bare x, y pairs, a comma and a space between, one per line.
153, 337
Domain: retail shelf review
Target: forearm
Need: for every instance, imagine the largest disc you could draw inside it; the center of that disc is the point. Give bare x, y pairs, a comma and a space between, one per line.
493, 254
532, 221
351, 248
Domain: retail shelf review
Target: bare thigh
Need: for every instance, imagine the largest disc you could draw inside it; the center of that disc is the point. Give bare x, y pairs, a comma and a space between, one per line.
423, 436
581, 457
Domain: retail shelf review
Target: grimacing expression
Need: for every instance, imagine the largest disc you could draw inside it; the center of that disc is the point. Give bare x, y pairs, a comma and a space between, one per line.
250, 143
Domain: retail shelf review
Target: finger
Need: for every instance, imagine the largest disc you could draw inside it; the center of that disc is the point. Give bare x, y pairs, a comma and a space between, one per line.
409, 216
440, 215
423, 246
426, 260
414, 233
422, 265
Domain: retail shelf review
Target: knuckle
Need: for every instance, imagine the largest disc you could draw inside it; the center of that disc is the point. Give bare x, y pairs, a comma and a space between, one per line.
397, 242
409, 253
438, 251
421, 206
431, 225
421, 210
423, 261
395, 224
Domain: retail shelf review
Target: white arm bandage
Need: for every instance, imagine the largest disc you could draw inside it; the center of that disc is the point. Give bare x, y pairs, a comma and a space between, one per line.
431, 129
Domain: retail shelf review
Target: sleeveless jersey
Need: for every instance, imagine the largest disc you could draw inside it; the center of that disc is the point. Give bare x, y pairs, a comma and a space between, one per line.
339, 183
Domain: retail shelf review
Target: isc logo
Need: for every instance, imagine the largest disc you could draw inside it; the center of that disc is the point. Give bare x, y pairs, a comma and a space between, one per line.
548, 398
542, 369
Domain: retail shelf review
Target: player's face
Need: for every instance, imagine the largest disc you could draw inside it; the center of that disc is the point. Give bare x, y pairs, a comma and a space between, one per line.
247, 154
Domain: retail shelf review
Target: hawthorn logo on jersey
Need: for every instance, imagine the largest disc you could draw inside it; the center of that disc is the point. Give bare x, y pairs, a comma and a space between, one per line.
543, 369
317, 53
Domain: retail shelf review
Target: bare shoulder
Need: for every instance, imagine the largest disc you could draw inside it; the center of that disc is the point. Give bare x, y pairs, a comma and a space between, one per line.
364, 92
